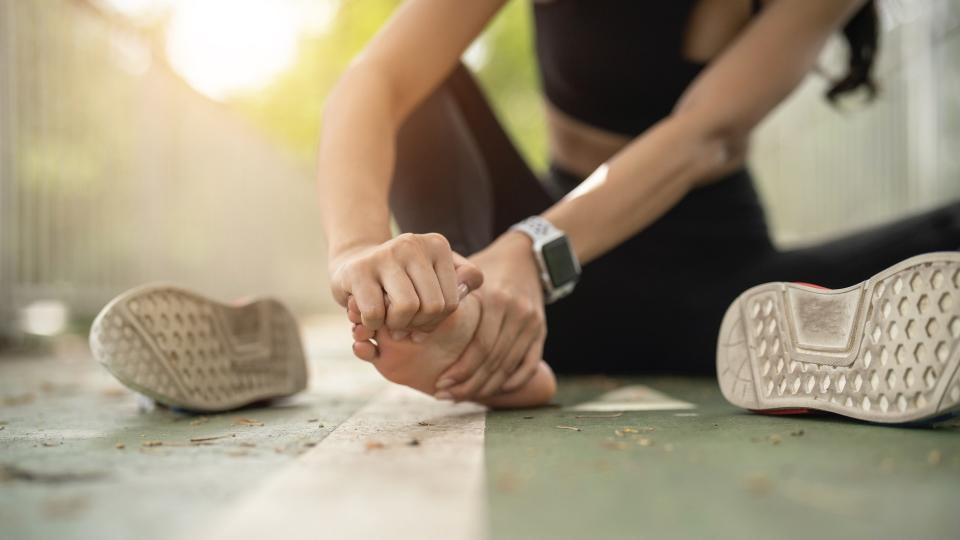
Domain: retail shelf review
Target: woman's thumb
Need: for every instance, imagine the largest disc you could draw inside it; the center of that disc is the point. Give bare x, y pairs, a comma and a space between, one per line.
469, 277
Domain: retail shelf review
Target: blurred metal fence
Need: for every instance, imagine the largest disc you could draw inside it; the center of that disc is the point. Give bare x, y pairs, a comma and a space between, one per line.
825, 170
113, 172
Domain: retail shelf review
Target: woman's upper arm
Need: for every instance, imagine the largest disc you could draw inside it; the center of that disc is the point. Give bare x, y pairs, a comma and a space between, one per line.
769, 59
421, 44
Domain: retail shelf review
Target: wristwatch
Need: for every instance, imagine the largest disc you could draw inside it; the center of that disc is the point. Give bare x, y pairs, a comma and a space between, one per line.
559, 267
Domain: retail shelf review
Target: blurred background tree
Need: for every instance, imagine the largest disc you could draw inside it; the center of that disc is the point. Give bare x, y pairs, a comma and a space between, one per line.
290, 107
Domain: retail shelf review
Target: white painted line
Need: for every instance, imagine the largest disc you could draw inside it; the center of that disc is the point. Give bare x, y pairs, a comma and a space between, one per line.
367, 481
634, 398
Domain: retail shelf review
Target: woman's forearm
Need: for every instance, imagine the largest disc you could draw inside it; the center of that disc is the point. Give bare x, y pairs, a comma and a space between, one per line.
355, 162
639, 184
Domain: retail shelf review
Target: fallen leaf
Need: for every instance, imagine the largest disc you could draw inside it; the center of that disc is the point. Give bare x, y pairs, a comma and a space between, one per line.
375, 445
241, 421
759, 484
614, 445
119, 446
114, 392
22, 399
423, 423
508, 482
775, 439
151, 444
413, 442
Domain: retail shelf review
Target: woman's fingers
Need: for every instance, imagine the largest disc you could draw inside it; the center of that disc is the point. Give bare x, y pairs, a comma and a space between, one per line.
369, 297
402, 299
450, 386
447, 276
353, 312
527, 368
514, 322
469, 276
432, 306
480, 347
469, 389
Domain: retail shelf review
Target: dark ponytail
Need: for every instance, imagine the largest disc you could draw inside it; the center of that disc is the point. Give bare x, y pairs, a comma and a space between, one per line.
862, 36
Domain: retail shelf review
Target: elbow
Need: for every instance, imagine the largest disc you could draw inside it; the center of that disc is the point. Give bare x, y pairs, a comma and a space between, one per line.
719, 147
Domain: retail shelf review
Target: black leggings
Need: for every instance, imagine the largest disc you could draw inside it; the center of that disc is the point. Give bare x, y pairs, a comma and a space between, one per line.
654, 303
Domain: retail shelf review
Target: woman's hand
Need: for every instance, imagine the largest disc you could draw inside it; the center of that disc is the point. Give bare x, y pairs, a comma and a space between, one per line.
411, 282
508, 344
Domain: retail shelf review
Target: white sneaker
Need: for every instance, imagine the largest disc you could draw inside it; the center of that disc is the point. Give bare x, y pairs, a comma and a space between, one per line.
886, 350
190, 352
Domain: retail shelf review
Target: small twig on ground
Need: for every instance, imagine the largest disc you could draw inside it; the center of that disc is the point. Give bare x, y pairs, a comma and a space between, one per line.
13, 472
213, 438
241, 421
614, 415
571, 428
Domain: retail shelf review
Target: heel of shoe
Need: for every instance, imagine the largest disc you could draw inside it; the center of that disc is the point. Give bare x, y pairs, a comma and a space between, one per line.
734, 370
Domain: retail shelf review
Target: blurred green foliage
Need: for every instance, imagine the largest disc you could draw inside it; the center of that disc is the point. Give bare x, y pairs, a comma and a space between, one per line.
291, 107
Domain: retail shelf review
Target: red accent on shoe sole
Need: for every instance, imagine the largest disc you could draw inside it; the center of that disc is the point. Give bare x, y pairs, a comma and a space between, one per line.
815, 286
777, 412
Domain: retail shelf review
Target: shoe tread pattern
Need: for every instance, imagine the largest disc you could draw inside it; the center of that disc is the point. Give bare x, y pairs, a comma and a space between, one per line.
906, 362
184, 350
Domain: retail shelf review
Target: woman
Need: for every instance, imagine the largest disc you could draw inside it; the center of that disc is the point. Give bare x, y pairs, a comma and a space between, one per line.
649, 107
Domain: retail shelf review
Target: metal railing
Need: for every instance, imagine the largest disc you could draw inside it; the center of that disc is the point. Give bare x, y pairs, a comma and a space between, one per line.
113, 172
825, 170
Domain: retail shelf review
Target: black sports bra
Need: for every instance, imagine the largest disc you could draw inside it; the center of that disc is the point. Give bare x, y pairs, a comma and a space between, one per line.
614, 64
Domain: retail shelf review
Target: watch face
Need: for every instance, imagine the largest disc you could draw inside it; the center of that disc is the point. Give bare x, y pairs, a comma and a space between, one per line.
559, 261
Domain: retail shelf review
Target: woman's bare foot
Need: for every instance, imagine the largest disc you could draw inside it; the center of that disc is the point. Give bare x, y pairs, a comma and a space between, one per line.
419, 365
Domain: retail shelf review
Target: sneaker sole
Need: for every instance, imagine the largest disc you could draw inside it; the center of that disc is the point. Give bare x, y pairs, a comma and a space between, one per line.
190, 352
885, 350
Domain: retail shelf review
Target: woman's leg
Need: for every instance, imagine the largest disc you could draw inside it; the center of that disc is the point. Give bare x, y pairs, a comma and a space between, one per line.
854, 258
457, 172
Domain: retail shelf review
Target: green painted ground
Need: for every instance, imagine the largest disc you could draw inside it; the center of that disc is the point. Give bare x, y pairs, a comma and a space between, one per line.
713, 472
720, 474
77, 459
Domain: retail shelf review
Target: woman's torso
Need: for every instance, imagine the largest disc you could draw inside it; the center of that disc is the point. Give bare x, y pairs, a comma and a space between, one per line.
613, 68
